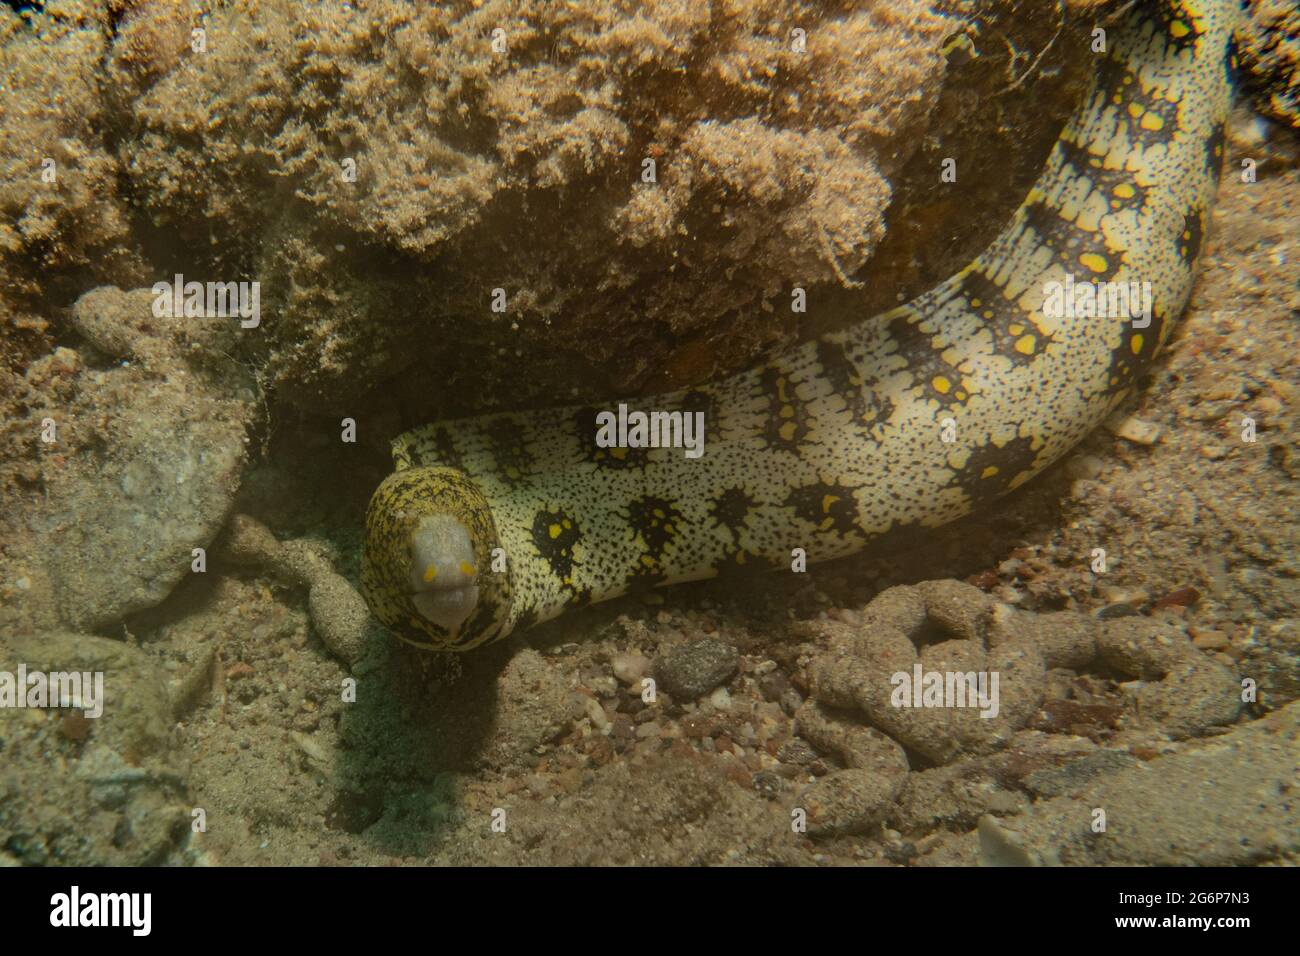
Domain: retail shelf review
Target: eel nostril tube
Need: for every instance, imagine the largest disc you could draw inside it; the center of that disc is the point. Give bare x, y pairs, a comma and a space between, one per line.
443, 574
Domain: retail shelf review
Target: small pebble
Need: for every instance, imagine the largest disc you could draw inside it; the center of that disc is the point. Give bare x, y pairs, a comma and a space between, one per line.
1112, 594
75, 726
596, 714
1136, 430
797, 752
239, 670
631, 667
691, 670
767, 784
1210, 640
1182, 597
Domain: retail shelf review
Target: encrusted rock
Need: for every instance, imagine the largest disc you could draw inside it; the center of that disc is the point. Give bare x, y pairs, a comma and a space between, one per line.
113, 789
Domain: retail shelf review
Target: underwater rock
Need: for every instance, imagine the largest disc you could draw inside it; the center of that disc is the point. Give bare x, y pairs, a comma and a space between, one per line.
956, 608
1270, 52
1180, 693
384, 174
1073, 776
852, 743
114, 787
123, 526
1274, 663
898, 648
338, 612
630, 668
150, 456
847, 801
693, 669
953, 796
1065, 638
62, 218
1185, 692
1215, 805
536, 705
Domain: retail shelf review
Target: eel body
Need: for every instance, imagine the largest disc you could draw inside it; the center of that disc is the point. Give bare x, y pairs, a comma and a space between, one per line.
910, 418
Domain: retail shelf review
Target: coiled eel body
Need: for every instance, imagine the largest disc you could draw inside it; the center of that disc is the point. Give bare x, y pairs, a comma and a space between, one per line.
910, 418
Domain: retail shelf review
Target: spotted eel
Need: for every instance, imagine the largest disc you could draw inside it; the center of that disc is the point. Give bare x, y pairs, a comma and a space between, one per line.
903, 420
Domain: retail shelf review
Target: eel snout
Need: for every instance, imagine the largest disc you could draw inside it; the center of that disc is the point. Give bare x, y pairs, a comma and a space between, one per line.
443, 575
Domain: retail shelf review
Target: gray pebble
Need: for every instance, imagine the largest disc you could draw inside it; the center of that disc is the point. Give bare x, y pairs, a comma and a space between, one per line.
691, 670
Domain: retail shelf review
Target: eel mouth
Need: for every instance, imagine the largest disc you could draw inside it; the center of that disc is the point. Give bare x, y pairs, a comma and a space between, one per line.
443, 572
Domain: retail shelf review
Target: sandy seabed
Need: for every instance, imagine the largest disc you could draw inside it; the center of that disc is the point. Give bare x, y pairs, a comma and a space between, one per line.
227, 690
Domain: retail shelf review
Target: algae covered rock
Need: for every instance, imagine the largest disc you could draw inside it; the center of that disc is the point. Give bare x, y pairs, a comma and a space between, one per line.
150, 459
84, 788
